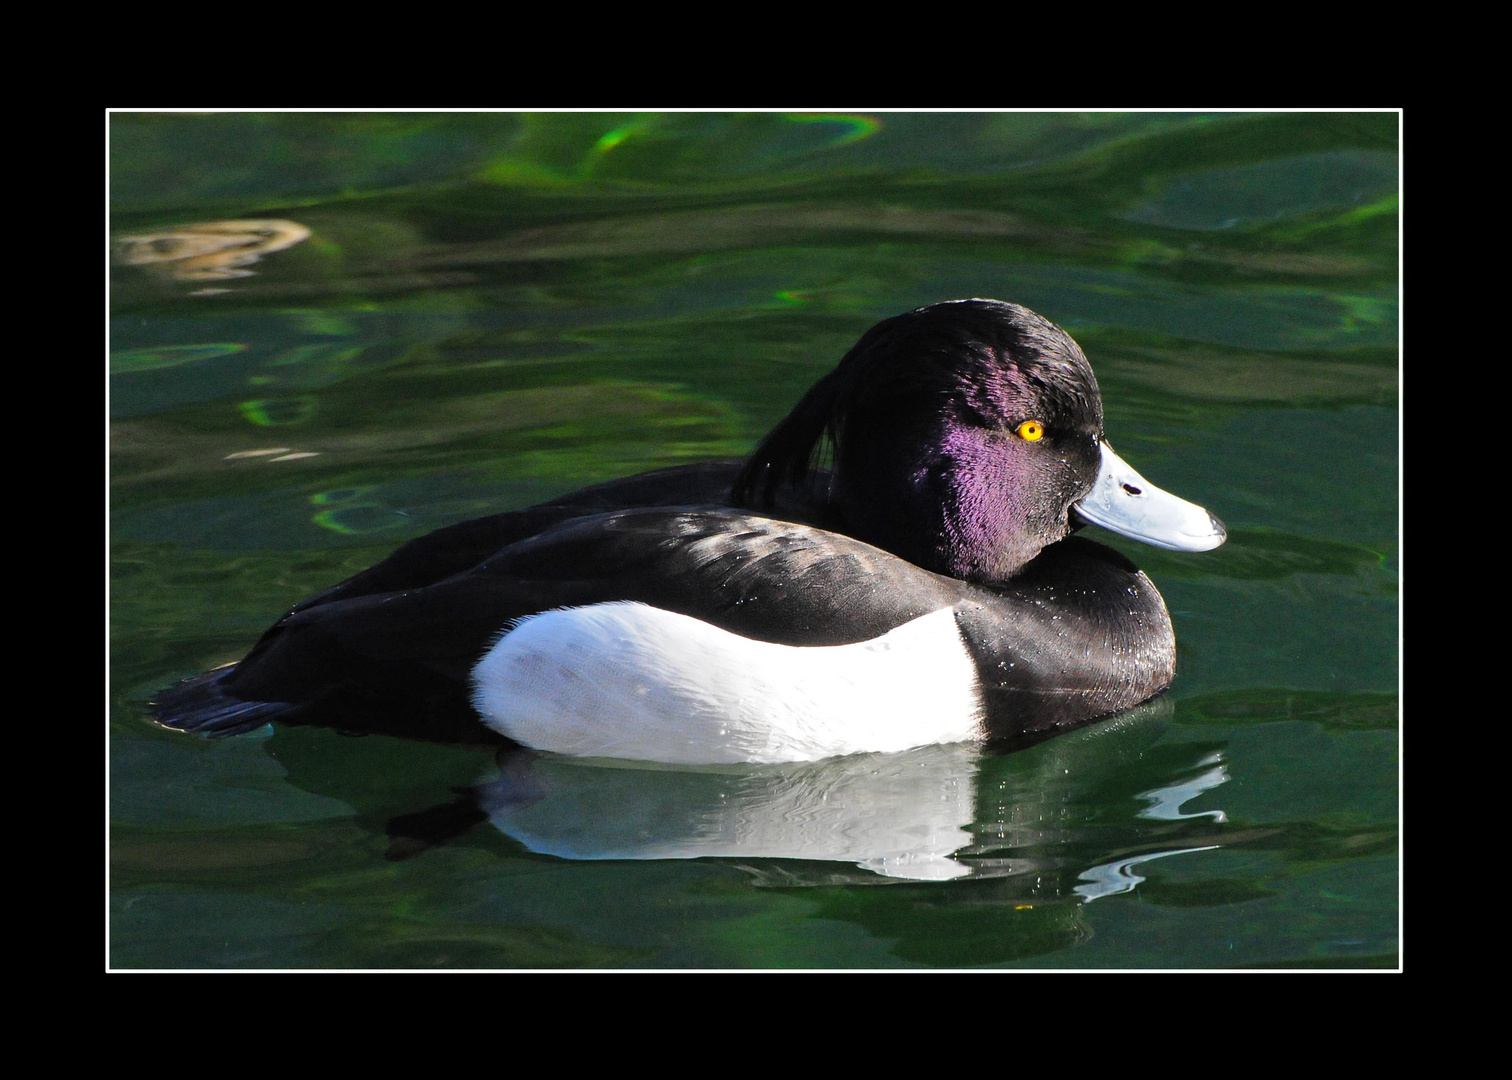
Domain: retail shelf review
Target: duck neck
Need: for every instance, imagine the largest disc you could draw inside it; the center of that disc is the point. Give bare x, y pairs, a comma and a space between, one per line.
1079, 634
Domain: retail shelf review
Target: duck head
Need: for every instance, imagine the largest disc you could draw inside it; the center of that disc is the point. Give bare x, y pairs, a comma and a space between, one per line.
966, 437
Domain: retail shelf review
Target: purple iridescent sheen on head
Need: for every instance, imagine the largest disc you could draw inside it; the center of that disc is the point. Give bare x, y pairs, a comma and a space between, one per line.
922, 415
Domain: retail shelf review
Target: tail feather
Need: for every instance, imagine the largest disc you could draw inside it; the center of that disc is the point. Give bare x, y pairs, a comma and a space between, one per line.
204, 705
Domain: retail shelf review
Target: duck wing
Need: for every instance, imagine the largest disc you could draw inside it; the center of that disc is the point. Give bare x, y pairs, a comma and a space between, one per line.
362, 657
456, 549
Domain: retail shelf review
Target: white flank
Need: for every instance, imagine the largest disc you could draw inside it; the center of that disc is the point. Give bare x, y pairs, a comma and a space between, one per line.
627, 680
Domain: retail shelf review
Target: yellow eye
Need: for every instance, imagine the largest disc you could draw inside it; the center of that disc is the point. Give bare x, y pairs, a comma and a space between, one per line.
1031, 430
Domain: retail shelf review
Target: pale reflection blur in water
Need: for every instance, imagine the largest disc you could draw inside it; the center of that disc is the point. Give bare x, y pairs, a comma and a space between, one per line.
919, 815
209, 250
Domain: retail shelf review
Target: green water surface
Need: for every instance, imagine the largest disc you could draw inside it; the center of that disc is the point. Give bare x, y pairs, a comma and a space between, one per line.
491, 309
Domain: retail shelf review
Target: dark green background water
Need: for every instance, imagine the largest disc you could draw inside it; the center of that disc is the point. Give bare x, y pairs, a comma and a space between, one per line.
492, 309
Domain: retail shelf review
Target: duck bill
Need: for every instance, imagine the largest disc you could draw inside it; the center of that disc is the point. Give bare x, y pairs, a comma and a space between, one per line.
1124, 502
